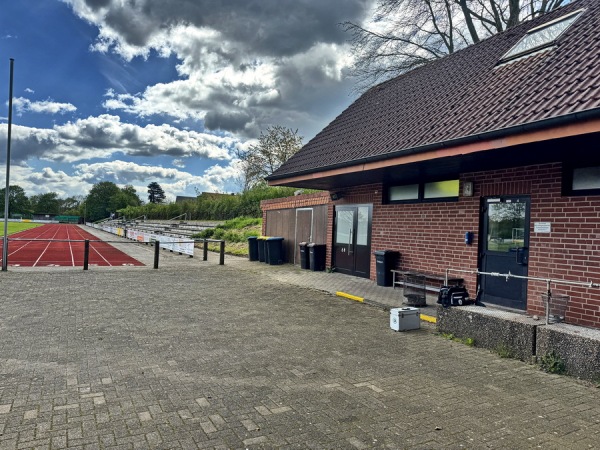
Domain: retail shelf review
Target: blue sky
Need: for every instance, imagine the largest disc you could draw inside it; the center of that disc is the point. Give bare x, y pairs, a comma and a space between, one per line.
153, 90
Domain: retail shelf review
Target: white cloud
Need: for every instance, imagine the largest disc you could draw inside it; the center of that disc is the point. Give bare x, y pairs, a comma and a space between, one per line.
105, 136
46, 106
46, 180
123, 172
241, 67
173, 181
241, 98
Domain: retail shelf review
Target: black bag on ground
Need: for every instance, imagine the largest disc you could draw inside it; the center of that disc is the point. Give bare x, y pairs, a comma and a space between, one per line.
454, 296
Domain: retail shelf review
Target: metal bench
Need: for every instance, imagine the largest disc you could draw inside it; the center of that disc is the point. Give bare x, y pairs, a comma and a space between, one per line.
432, 282
417, 284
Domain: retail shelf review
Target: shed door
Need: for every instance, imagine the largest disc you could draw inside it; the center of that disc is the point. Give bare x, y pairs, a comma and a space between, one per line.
505, 235
304, 220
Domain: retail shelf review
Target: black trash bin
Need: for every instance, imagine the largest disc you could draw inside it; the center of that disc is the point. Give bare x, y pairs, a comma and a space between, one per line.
316, 256
262, 251
385, 261
304, 260
274, 247
253, 248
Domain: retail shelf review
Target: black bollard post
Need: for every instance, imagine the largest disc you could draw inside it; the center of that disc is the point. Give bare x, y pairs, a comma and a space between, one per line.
205, 251
222, 254
86, 254
156, 253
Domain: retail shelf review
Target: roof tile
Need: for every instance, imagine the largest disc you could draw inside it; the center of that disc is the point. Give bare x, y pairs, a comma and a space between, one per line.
464, 94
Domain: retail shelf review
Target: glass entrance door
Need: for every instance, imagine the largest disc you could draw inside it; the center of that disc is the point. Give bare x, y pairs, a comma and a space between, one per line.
505, 249
352, 240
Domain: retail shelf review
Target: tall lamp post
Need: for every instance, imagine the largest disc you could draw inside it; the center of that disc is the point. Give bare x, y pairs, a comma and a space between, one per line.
6, 191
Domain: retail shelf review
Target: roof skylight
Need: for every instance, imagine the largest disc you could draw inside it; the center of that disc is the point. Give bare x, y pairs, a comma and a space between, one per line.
541, 37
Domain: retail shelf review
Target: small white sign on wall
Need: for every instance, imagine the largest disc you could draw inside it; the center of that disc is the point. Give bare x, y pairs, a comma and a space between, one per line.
542, 227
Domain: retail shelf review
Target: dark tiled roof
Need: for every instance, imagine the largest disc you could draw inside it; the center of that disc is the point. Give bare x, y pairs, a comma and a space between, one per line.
465, 94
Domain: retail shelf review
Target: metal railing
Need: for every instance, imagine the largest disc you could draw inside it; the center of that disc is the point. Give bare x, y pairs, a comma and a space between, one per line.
548, 281
184, 215
143, 217
156, 243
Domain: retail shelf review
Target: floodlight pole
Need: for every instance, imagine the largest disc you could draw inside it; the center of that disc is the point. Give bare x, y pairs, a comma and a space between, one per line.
6, 191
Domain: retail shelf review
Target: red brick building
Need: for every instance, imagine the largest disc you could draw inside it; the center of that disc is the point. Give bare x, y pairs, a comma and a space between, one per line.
498, 142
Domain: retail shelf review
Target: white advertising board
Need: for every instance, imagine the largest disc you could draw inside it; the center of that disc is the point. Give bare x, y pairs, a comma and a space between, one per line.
175, 244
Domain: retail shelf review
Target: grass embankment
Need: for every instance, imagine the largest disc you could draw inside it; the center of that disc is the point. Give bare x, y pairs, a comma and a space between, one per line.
16, 227
235, 233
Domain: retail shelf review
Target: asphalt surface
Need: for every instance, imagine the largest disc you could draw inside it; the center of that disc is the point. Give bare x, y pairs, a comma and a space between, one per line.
197, 355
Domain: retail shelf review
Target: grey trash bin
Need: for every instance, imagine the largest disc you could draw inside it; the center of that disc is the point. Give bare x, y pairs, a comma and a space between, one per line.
316, 256
253, 248
385, 261
274, 246
304, 259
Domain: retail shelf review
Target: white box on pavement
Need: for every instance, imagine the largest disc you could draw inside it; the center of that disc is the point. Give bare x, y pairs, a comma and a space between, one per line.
404, 319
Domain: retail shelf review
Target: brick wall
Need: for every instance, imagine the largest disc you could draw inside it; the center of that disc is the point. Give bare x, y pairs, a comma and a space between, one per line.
430, 236
571, 251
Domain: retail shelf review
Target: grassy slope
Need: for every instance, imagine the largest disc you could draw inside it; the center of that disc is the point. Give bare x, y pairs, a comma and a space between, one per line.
235, 233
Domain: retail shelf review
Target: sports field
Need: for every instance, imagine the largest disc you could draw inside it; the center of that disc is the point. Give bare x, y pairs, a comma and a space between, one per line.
16, 227
62, 245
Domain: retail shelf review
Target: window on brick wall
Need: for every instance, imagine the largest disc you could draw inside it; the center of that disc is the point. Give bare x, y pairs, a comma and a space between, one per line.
582, 181
436, 191
409, 192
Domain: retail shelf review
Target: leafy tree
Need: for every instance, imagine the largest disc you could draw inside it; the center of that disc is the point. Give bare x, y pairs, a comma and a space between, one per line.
47, 203
73, 206
127, 196
18, 203
275, 146
98, 202
408, 33
155, 193
69, 204
212, 208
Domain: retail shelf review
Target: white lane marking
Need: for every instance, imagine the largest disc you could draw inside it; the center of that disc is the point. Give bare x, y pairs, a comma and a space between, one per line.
38, 260
26, 232
95, 250
70, 247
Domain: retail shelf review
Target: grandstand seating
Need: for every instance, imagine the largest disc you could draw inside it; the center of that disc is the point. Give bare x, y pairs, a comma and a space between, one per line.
176, 229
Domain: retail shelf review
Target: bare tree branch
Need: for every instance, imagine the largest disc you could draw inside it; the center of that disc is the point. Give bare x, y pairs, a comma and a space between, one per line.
275, 146
405, 34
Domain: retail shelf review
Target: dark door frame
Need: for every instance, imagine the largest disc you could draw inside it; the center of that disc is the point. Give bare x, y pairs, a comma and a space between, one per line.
515, 260
361, 260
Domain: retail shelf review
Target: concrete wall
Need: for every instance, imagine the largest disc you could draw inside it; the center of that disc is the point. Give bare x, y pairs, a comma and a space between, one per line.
522, 337
578, 347
509, 333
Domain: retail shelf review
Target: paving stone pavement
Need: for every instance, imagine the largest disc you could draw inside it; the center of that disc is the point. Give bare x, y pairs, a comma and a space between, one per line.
197, 355
380, 296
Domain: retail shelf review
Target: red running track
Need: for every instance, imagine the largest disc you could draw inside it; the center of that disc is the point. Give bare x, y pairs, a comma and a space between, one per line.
45, 252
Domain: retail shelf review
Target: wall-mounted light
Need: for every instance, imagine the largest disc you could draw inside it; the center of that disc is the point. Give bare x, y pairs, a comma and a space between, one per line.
335, 196
467, 189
